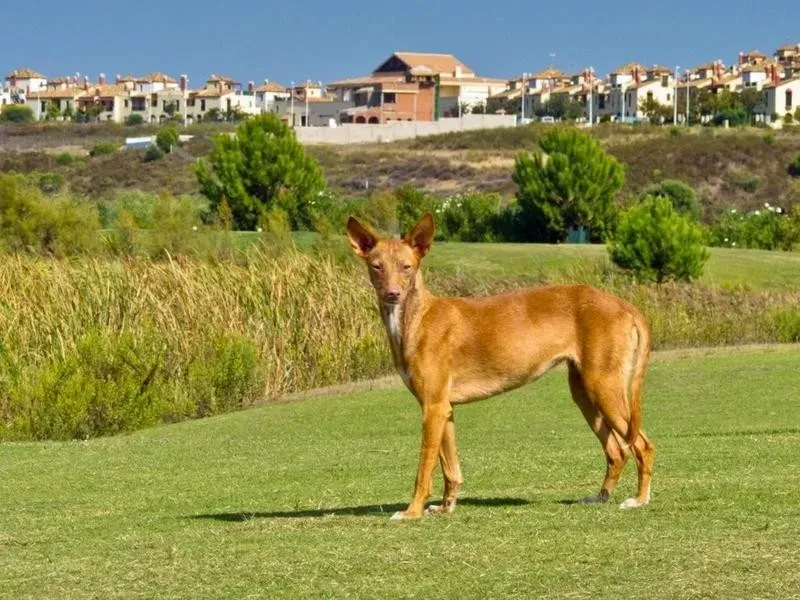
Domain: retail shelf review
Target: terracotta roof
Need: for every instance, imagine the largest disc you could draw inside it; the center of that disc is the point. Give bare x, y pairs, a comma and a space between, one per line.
220, 79
25, 74
70, 92
156, 77
549, 73
782, 82
58, 81
658, 69
470, 80
790, 47
214, 92
754, 53
628, 68
361, 81
106, 90
438, 63
271, 86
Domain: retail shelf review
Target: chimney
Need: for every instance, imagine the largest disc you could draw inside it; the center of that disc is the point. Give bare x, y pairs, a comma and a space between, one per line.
117, 78
13, 81
85, 82
741, 58
101, 79
184, 83
251, 86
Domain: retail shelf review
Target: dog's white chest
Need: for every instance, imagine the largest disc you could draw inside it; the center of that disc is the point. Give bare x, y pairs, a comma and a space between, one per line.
394, 327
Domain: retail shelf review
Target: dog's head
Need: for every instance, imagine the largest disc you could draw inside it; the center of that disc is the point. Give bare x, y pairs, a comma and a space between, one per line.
393, 263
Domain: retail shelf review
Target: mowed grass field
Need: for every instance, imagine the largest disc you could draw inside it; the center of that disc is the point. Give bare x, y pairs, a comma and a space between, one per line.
757, 269
293, 500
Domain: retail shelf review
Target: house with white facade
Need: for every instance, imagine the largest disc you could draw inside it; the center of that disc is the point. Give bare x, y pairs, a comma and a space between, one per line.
222, 94
269, 94
781, 98
21, 82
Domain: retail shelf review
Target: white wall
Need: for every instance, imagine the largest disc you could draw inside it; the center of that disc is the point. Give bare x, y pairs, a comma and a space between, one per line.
348, 133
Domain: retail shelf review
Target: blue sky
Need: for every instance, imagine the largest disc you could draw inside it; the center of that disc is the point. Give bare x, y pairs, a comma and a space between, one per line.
323, 40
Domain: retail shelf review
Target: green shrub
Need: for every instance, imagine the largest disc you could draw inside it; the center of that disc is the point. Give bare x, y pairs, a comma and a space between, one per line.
657, 243
53, 226
412, 204
167, 138
103, 148
736, 117
788, 119
16, 113
64, 159
262, 166
570, 182
766, 229
682, 196
468, 217
51, 183
787, 324
794, 166
153, 152
134, 119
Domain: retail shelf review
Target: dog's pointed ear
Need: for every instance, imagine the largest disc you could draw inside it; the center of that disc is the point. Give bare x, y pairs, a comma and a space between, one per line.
420, 237
362, 239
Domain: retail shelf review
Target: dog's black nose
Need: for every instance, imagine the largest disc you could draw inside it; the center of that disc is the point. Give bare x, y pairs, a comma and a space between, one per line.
392, 296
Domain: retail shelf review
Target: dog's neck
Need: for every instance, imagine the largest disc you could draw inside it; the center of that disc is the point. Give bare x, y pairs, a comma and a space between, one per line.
400, 319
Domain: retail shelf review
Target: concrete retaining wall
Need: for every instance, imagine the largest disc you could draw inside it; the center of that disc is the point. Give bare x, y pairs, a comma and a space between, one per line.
399, 130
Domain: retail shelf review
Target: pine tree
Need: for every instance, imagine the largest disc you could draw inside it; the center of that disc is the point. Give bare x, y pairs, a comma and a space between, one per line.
261, 167
569, 182
657, 243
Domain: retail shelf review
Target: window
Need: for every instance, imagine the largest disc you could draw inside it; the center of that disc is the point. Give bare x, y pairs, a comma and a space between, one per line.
137, 104
203, 104
126, 103
788, 100
389, 98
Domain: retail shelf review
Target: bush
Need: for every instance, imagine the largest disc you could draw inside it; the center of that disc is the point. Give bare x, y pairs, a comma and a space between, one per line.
794, 167
56, 227
682, 196
569, 182
16, 113
153, 152
51, 183
103, 148
134, 119
766, 229
788, 119
262, 166
657, 243
167, 138
64, 159
736, 117
468, 217
412, 204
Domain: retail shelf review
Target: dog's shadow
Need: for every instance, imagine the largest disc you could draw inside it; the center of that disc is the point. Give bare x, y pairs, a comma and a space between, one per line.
348, 511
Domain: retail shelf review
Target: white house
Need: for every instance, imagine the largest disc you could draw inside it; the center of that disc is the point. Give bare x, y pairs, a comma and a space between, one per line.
268, 94
21, 82
782, 97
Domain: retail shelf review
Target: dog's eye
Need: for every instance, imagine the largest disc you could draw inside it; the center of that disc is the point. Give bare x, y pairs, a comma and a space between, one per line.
377, 266
407, 268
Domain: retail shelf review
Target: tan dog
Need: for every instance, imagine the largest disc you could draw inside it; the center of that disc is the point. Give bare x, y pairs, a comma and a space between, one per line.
455, 350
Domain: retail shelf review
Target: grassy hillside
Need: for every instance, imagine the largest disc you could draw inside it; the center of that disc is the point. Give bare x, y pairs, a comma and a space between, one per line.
293, 500
728, 168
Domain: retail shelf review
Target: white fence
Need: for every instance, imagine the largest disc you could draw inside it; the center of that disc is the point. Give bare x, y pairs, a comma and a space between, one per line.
399, 130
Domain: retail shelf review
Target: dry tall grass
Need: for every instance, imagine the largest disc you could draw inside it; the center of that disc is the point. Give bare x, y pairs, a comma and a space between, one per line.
94, 346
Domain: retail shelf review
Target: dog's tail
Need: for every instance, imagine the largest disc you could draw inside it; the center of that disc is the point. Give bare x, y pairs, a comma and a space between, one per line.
641, 353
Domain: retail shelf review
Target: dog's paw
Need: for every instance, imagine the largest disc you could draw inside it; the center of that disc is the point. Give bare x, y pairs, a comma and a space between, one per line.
403, 515
631, 503
441, 509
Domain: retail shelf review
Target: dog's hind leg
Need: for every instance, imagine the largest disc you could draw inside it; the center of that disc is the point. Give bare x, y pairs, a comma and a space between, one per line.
616, 456
451, 470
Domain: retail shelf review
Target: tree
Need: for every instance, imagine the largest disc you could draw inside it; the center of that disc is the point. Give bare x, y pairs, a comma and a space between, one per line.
134, 119
262, 166
657, 243
682, 196
16, 113
167, 138
68, 113
655, 111
570, 182
52, 112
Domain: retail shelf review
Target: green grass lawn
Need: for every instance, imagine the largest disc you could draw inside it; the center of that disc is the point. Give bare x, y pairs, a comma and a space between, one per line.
293, 500
726, 266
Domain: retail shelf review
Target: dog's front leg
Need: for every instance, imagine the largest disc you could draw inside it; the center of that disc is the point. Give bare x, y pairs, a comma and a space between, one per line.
434, 418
